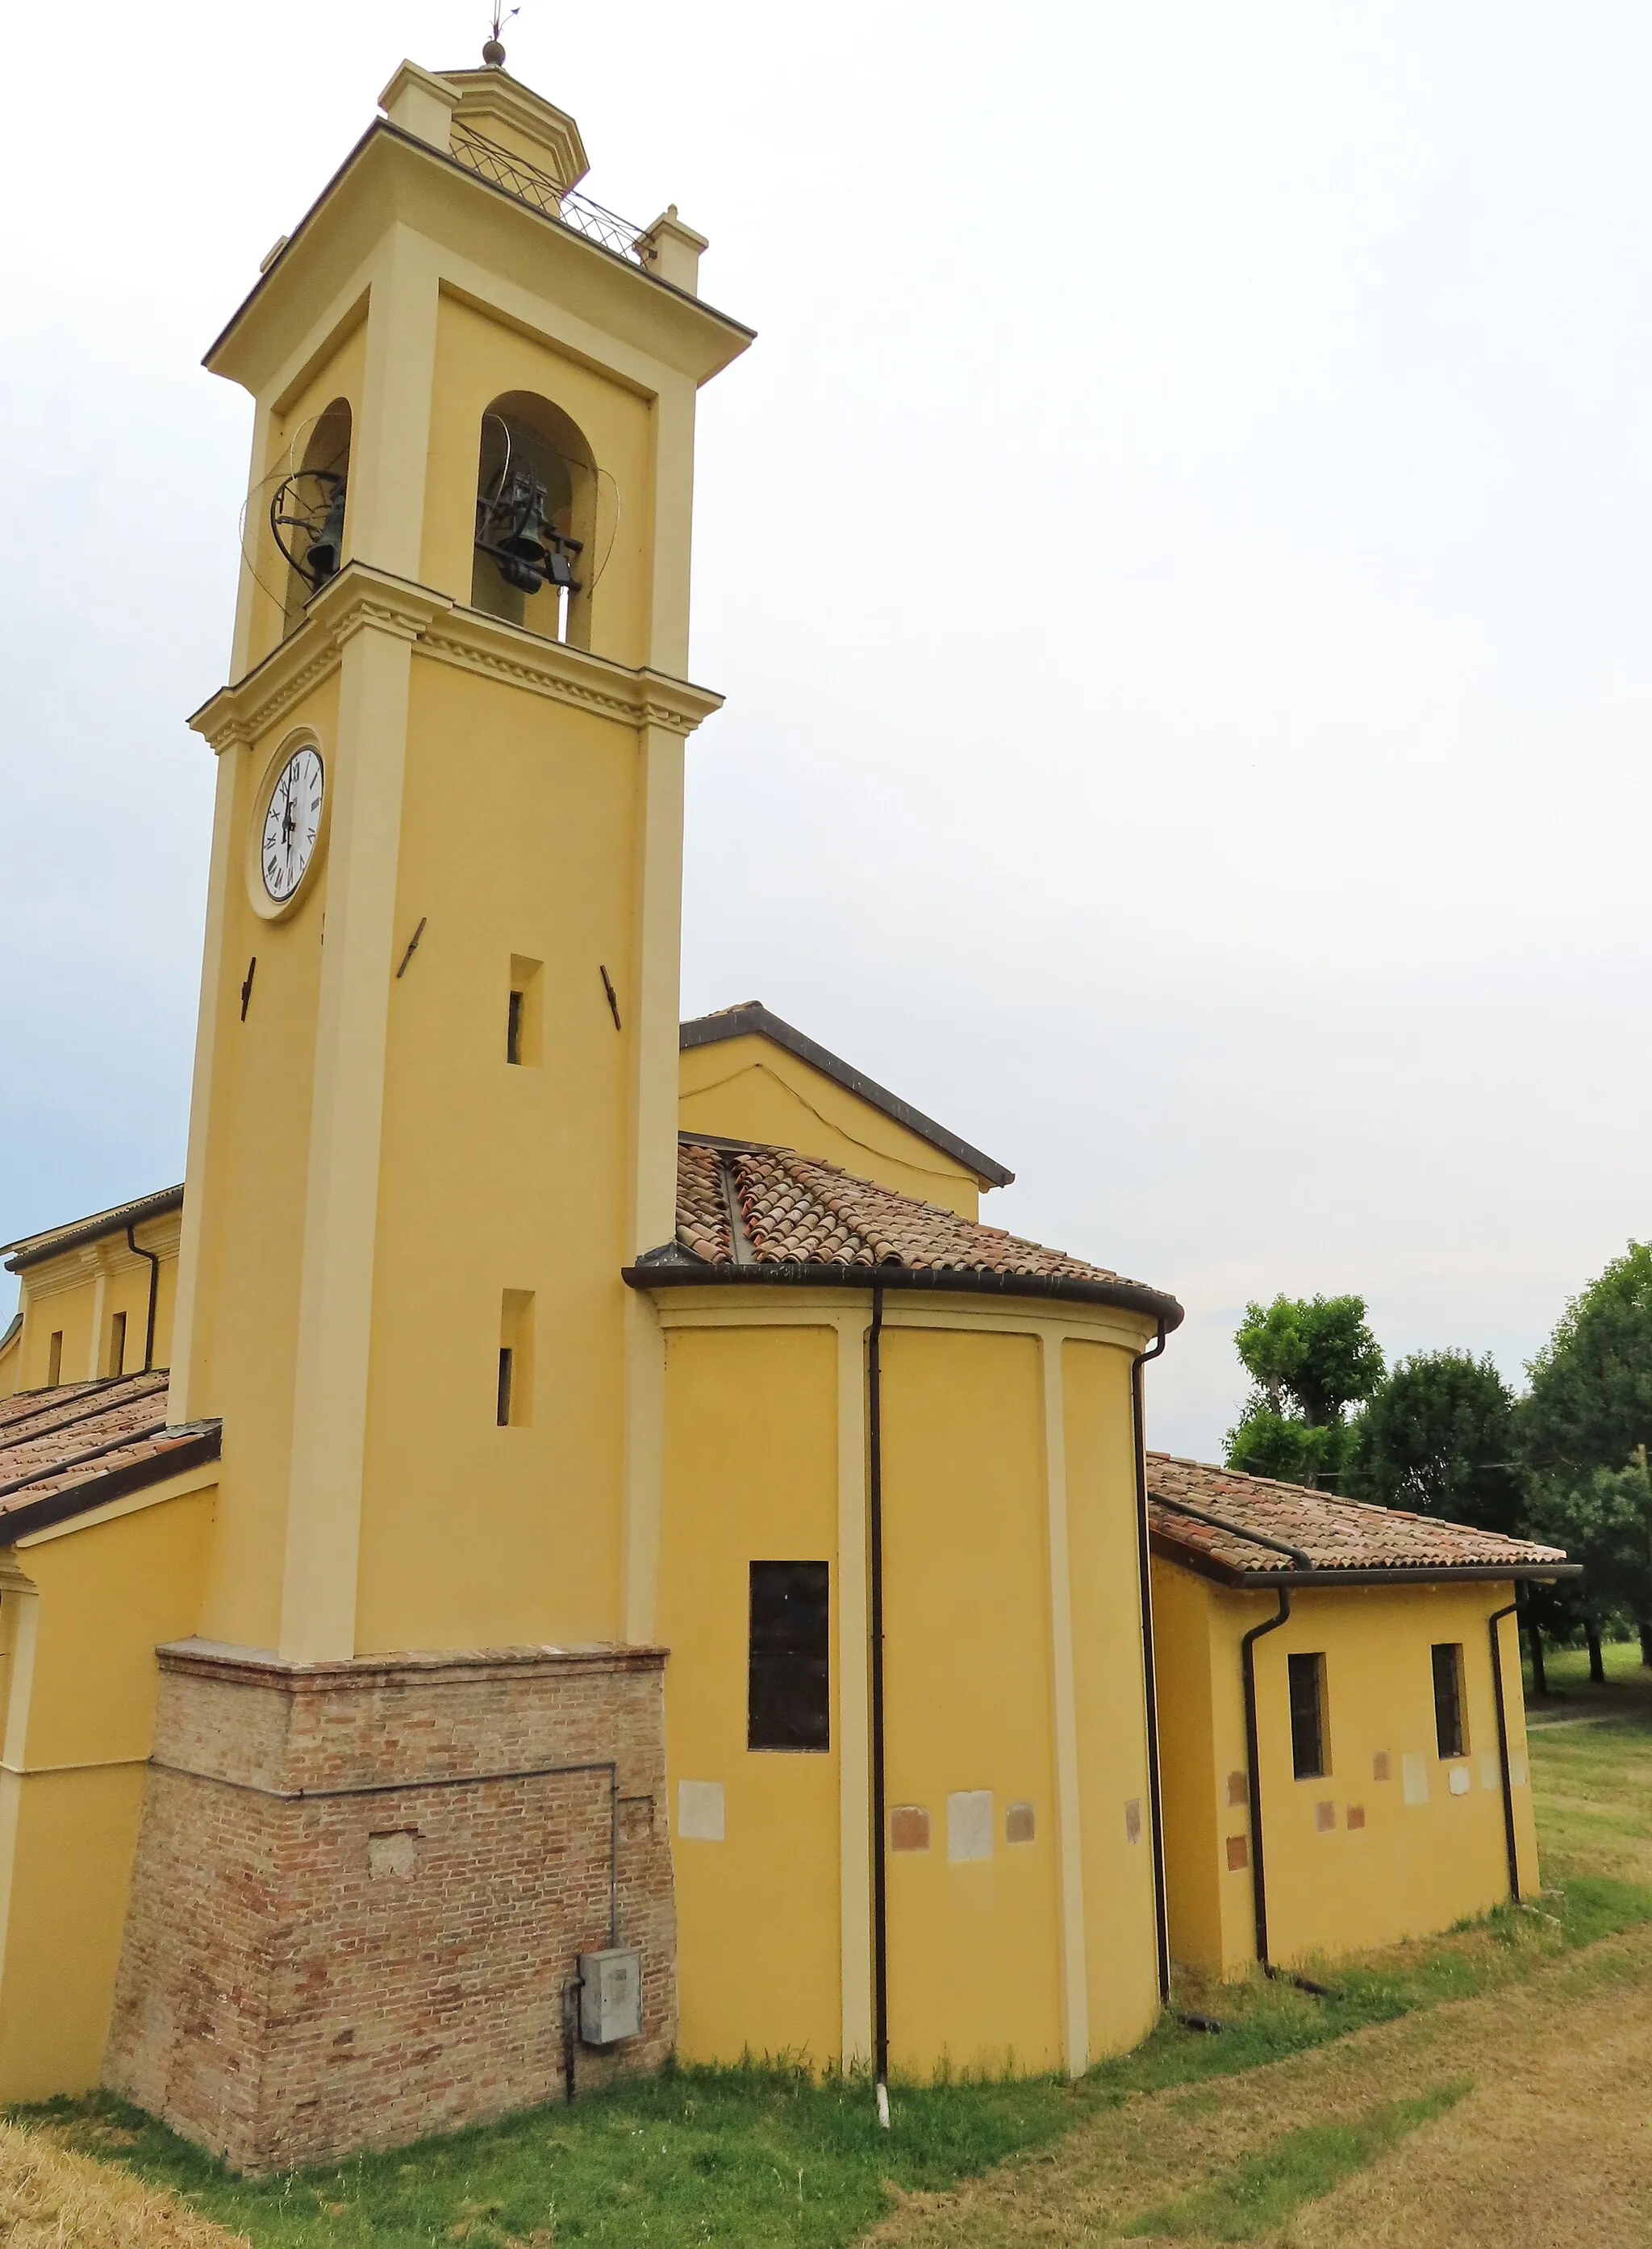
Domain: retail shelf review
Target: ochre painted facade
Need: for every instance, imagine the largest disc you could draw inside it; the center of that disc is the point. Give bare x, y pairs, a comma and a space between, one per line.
750, 1088
1013, 1671
1425, 1846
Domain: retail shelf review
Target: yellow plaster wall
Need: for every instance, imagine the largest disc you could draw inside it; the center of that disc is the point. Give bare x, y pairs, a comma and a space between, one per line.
751, 1476
61, 1294
1110, 1695
974, 1948
477, 360
78, 1686
11, 1365
1196, 1804
498, 1176
252, 1224
749, 1088
1414, 1868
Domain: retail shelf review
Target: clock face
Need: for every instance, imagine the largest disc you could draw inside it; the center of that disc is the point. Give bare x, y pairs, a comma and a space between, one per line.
291, 824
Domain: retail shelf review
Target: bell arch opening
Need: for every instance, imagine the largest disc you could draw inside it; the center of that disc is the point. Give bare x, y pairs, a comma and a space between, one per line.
535, 560
308, 510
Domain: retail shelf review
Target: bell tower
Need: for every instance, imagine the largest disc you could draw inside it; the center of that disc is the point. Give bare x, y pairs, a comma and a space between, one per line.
435, 1097
434, 1116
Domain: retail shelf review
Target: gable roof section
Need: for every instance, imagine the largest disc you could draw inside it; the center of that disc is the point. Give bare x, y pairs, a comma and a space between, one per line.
35, 1249
752, 1020
746, 1213
63, 1452
1248, 1530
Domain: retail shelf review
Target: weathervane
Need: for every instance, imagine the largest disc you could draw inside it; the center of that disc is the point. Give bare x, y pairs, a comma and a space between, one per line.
492, 51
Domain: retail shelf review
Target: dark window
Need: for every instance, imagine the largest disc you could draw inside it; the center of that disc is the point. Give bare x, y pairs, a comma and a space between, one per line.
513, 1030
788, 1698
504, 1388
1447, 1697
1307, 1716
118, 1343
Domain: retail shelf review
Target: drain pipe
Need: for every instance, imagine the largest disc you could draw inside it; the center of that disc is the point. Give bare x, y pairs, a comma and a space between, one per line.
880, 1868
1493, 1621
155, 1290
1143, 1556
1253, 1768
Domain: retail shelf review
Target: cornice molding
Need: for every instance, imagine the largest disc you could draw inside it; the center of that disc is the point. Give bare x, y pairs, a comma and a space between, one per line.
477, 642
361, 599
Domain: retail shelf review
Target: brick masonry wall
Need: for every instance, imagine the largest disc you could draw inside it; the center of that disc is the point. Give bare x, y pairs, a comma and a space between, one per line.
357, 1895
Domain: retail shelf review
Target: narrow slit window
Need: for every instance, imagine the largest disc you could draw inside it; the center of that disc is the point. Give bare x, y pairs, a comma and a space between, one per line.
522, 1012
788, 1701
1448, 1698
513, 1407
1307, 1674
54, 1359
118, 1343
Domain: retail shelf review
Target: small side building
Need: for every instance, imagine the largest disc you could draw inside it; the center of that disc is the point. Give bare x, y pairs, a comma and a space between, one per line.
1342, 1720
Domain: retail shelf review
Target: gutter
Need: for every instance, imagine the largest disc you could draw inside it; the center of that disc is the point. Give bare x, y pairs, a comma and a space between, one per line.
155, 1290
1492, 1623
1253, 1771
1431, 1573
1160, 1902
679, 1269
194, 1449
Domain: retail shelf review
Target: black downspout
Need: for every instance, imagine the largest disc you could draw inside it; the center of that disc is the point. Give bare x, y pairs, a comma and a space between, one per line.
1161, 1914
155, 1290
880, 1899
1253, 1768
1493, 1621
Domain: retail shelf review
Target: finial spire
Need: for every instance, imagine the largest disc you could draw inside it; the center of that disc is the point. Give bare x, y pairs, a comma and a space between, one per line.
492, 48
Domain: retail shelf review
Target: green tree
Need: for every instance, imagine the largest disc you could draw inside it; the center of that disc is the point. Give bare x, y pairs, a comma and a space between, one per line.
1309, 1358
1438, 1438
1584, 1429
1601, 1517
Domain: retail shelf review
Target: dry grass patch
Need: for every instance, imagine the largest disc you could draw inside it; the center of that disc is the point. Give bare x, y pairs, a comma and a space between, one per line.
1552, 2144
50, 2198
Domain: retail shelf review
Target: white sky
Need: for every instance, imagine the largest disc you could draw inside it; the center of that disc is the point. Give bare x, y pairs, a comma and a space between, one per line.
1177, 557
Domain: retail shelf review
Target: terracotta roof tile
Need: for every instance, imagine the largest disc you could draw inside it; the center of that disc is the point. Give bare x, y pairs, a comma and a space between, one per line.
1332, 1533
739, 1204
80, 1438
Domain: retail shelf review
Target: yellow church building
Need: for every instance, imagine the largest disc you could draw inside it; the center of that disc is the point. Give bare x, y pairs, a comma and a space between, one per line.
567, 1539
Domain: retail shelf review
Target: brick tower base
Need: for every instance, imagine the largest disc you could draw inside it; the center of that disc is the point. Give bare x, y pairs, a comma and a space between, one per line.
361, 1887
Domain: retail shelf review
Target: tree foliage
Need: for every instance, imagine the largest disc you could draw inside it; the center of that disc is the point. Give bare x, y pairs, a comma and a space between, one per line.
1310, 1357
1584, 1430
1591, 1398
1438, 1438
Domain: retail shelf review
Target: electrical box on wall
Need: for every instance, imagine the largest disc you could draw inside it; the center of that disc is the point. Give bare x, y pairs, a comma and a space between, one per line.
611, 1995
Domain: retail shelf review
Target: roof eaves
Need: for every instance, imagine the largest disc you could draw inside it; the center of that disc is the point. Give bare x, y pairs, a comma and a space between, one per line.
1203, 1564
753, 1019
35, 1249
657, 1269
201, 1443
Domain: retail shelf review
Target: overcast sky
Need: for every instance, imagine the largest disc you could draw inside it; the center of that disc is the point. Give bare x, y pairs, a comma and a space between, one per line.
1177, 557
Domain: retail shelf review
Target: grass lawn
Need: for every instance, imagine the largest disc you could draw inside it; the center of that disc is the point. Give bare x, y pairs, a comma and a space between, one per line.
765, 2157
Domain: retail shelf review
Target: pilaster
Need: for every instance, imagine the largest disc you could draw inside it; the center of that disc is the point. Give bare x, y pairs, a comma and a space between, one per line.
388, 453
185, 1392
1074, 1981
341, 1214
